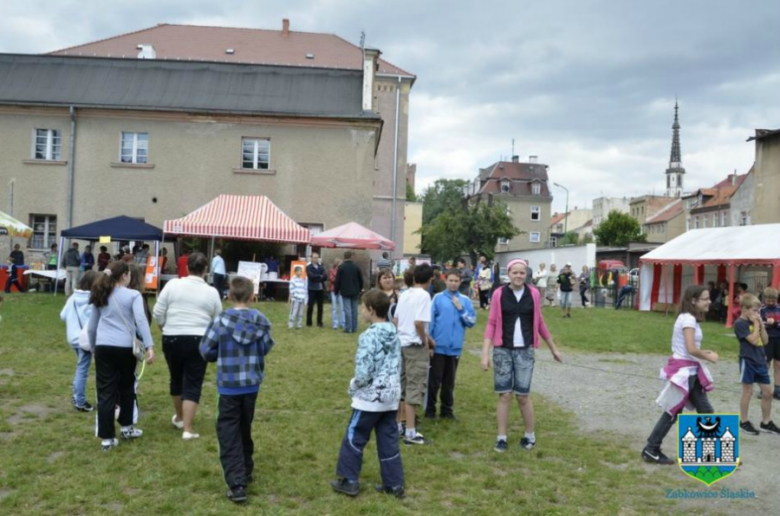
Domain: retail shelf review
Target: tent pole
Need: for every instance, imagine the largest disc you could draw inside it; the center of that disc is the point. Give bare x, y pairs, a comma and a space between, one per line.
157, 266
57, 271
729, 312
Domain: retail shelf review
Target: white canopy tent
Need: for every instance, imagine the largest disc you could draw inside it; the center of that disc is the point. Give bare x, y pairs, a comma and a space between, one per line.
724, 249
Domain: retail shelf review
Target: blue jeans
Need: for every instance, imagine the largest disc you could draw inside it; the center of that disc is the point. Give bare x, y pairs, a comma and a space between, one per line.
350, 313
337, 310
83, 360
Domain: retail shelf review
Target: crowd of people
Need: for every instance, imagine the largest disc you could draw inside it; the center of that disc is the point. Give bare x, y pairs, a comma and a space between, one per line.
406, 361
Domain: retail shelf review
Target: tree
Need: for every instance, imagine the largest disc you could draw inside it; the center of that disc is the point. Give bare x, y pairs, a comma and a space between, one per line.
587, 239
472, 228
443, 195
410, 195
571, 238
618, 229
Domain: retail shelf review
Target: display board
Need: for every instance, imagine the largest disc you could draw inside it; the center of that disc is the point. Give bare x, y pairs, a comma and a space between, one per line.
254, 271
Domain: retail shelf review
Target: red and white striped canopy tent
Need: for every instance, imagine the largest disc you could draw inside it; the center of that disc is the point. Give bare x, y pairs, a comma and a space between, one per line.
352, 236
240, 217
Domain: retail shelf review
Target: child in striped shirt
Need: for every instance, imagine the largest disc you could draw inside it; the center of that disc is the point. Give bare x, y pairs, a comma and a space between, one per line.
297, 298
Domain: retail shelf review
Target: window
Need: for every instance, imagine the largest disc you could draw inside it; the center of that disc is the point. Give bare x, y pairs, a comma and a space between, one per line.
744, 218
44, 231
714, 220
503, 241
256, 154
135, 148
687, 223
553, 241
536, 188
505, 186
536, 213
696, 222
48, 144
724, 218
534, 237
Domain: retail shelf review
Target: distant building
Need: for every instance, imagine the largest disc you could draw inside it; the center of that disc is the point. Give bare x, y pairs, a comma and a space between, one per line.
710, 207
578, 220
523, 188
667, 224
766, 190
603, 205
675, 173
411, 175
412, 224
647, 206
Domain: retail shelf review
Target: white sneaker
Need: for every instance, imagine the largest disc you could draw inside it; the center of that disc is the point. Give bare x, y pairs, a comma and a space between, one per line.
131, 432
177, 424
107, 444
187, 436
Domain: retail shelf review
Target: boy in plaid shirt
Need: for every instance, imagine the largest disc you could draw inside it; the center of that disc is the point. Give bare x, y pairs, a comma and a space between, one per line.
237, 340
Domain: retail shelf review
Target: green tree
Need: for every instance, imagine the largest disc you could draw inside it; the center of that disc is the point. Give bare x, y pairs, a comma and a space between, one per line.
443, 195
587, 239
571, 238
618, 229
410, 195
472, 228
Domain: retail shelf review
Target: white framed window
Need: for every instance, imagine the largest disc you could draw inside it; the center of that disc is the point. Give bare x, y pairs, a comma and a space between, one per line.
255, 153
536, 213
506, 186
696, 222
744, 218
536, 188
534, 237
715, 220
44, 231
724, 220
503, 241
134, 148
47, 144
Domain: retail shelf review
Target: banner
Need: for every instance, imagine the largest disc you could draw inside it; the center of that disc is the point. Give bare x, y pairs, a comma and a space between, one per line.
150, 276
254, 271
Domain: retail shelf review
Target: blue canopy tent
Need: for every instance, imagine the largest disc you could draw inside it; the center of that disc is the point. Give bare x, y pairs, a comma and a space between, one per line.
118, 228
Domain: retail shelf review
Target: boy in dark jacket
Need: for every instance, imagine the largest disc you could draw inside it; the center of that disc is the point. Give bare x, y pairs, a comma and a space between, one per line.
237, 340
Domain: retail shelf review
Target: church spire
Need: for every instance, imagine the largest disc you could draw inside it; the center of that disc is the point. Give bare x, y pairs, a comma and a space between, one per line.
675, 160
675, 172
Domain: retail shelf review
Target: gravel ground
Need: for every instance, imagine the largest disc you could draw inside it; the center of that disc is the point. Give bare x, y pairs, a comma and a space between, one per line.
630, 409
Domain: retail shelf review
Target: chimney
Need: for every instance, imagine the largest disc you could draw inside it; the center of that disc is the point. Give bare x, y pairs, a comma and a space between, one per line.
515, 159
146, 52
533, 159
370, 58
285, 27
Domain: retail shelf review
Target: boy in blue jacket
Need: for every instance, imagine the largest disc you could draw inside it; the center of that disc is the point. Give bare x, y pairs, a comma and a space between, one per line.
376, 391
237, 340
451, 313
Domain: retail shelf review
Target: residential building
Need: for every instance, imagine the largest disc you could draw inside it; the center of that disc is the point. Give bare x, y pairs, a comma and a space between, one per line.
307, 119
743, 201
603, 205
710, 207
578, 220
523, 187
412, 225
766, 190
646, 206
666, 224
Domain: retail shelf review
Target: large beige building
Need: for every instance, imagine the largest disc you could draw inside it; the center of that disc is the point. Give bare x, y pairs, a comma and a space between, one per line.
523, 188
603, 205
180, 114
766, 181
413, 216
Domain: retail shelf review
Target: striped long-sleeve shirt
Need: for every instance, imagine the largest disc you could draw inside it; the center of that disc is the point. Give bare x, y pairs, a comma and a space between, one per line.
298, 289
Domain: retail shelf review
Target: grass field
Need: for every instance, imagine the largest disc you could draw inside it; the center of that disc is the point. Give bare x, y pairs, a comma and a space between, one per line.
51, 463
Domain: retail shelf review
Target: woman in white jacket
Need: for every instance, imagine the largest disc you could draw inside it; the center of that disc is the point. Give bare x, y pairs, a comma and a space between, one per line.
76, 313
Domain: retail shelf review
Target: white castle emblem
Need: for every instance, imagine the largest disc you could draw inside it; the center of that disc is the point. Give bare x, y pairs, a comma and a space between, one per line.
709, 447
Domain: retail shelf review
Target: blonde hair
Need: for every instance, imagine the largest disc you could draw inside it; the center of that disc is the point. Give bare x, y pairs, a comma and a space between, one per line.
749, 301
770, 293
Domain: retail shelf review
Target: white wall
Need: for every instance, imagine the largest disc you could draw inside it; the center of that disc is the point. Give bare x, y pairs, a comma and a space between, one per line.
578, 255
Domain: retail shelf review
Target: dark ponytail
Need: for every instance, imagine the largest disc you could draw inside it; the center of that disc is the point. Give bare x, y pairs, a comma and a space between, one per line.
103, 287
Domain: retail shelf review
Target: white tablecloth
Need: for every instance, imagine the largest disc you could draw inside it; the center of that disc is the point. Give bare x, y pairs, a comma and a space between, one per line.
58, 274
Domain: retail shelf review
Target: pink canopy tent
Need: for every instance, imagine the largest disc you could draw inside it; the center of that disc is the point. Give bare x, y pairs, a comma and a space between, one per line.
352, 236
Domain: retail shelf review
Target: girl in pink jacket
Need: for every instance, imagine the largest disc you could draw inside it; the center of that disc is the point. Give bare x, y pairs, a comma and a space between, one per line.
513, 330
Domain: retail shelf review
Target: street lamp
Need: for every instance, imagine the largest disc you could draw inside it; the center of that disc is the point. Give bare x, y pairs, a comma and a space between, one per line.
566, 219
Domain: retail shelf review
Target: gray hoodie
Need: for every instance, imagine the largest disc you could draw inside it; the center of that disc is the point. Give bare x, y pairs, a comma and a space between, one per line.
76, 314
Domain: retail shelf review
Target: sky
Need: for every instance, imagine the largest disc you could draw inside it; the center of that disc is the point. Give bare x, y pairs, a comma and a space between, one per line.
587, 85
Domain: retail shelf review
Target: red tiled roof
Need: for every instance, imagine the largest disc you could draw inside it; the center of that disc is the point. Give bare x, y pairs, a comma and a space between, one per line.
728, 182
557, 218
255, 46
722, 197
667, 213
521, 175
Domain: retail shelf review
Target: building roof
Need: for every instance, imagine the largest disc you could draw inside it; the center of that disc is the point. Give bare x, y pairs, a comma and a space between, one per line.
249, 46
181, 86
764, 133
667, 213
558, 217
722, 197
521, 175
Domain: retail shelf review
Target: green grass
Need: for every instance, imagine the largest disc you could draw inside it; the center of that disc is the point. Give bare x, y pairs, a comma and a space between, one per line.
50, 461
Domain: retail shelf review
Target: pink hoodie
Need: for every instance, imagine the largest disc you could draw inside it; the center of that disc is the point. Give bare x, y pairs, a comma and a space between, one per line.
494, 327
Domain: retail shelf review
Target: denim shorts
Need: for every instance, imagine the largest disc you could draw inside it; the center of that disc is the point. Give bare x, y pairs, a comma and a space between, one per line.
513, 369
565, 299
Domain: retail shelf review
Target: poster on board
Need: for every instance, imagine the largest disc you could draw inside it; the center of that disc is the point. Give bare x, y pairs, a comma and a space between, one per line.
254, 271
151, 273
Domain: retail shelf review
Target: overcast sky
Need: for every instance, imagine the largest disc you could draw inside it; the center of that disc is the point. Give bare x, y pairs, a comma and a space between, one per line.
587, 85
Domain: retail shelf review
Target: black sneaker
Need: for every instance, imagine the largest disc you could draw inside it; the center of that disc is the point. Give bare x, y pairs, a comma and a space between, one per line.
776, 395
501, 446
346, 487
769, 428
86, 407
748, 427
397, 491
430, 415
236, 494
656, 457
448, 417
527, 444
402, 431
417, 439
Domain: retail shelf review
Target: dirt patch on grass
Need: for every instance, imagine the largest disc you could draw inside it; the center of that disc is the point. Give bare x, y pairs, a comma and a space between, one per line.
54, 456
25, 411
7, 436
6, 372
5, 492
615, 393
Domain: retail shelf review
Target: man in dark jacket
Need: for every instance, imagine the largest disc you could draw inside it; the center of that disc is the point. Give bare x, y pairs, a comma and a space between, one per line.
72, 261
349, 284
316, 276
